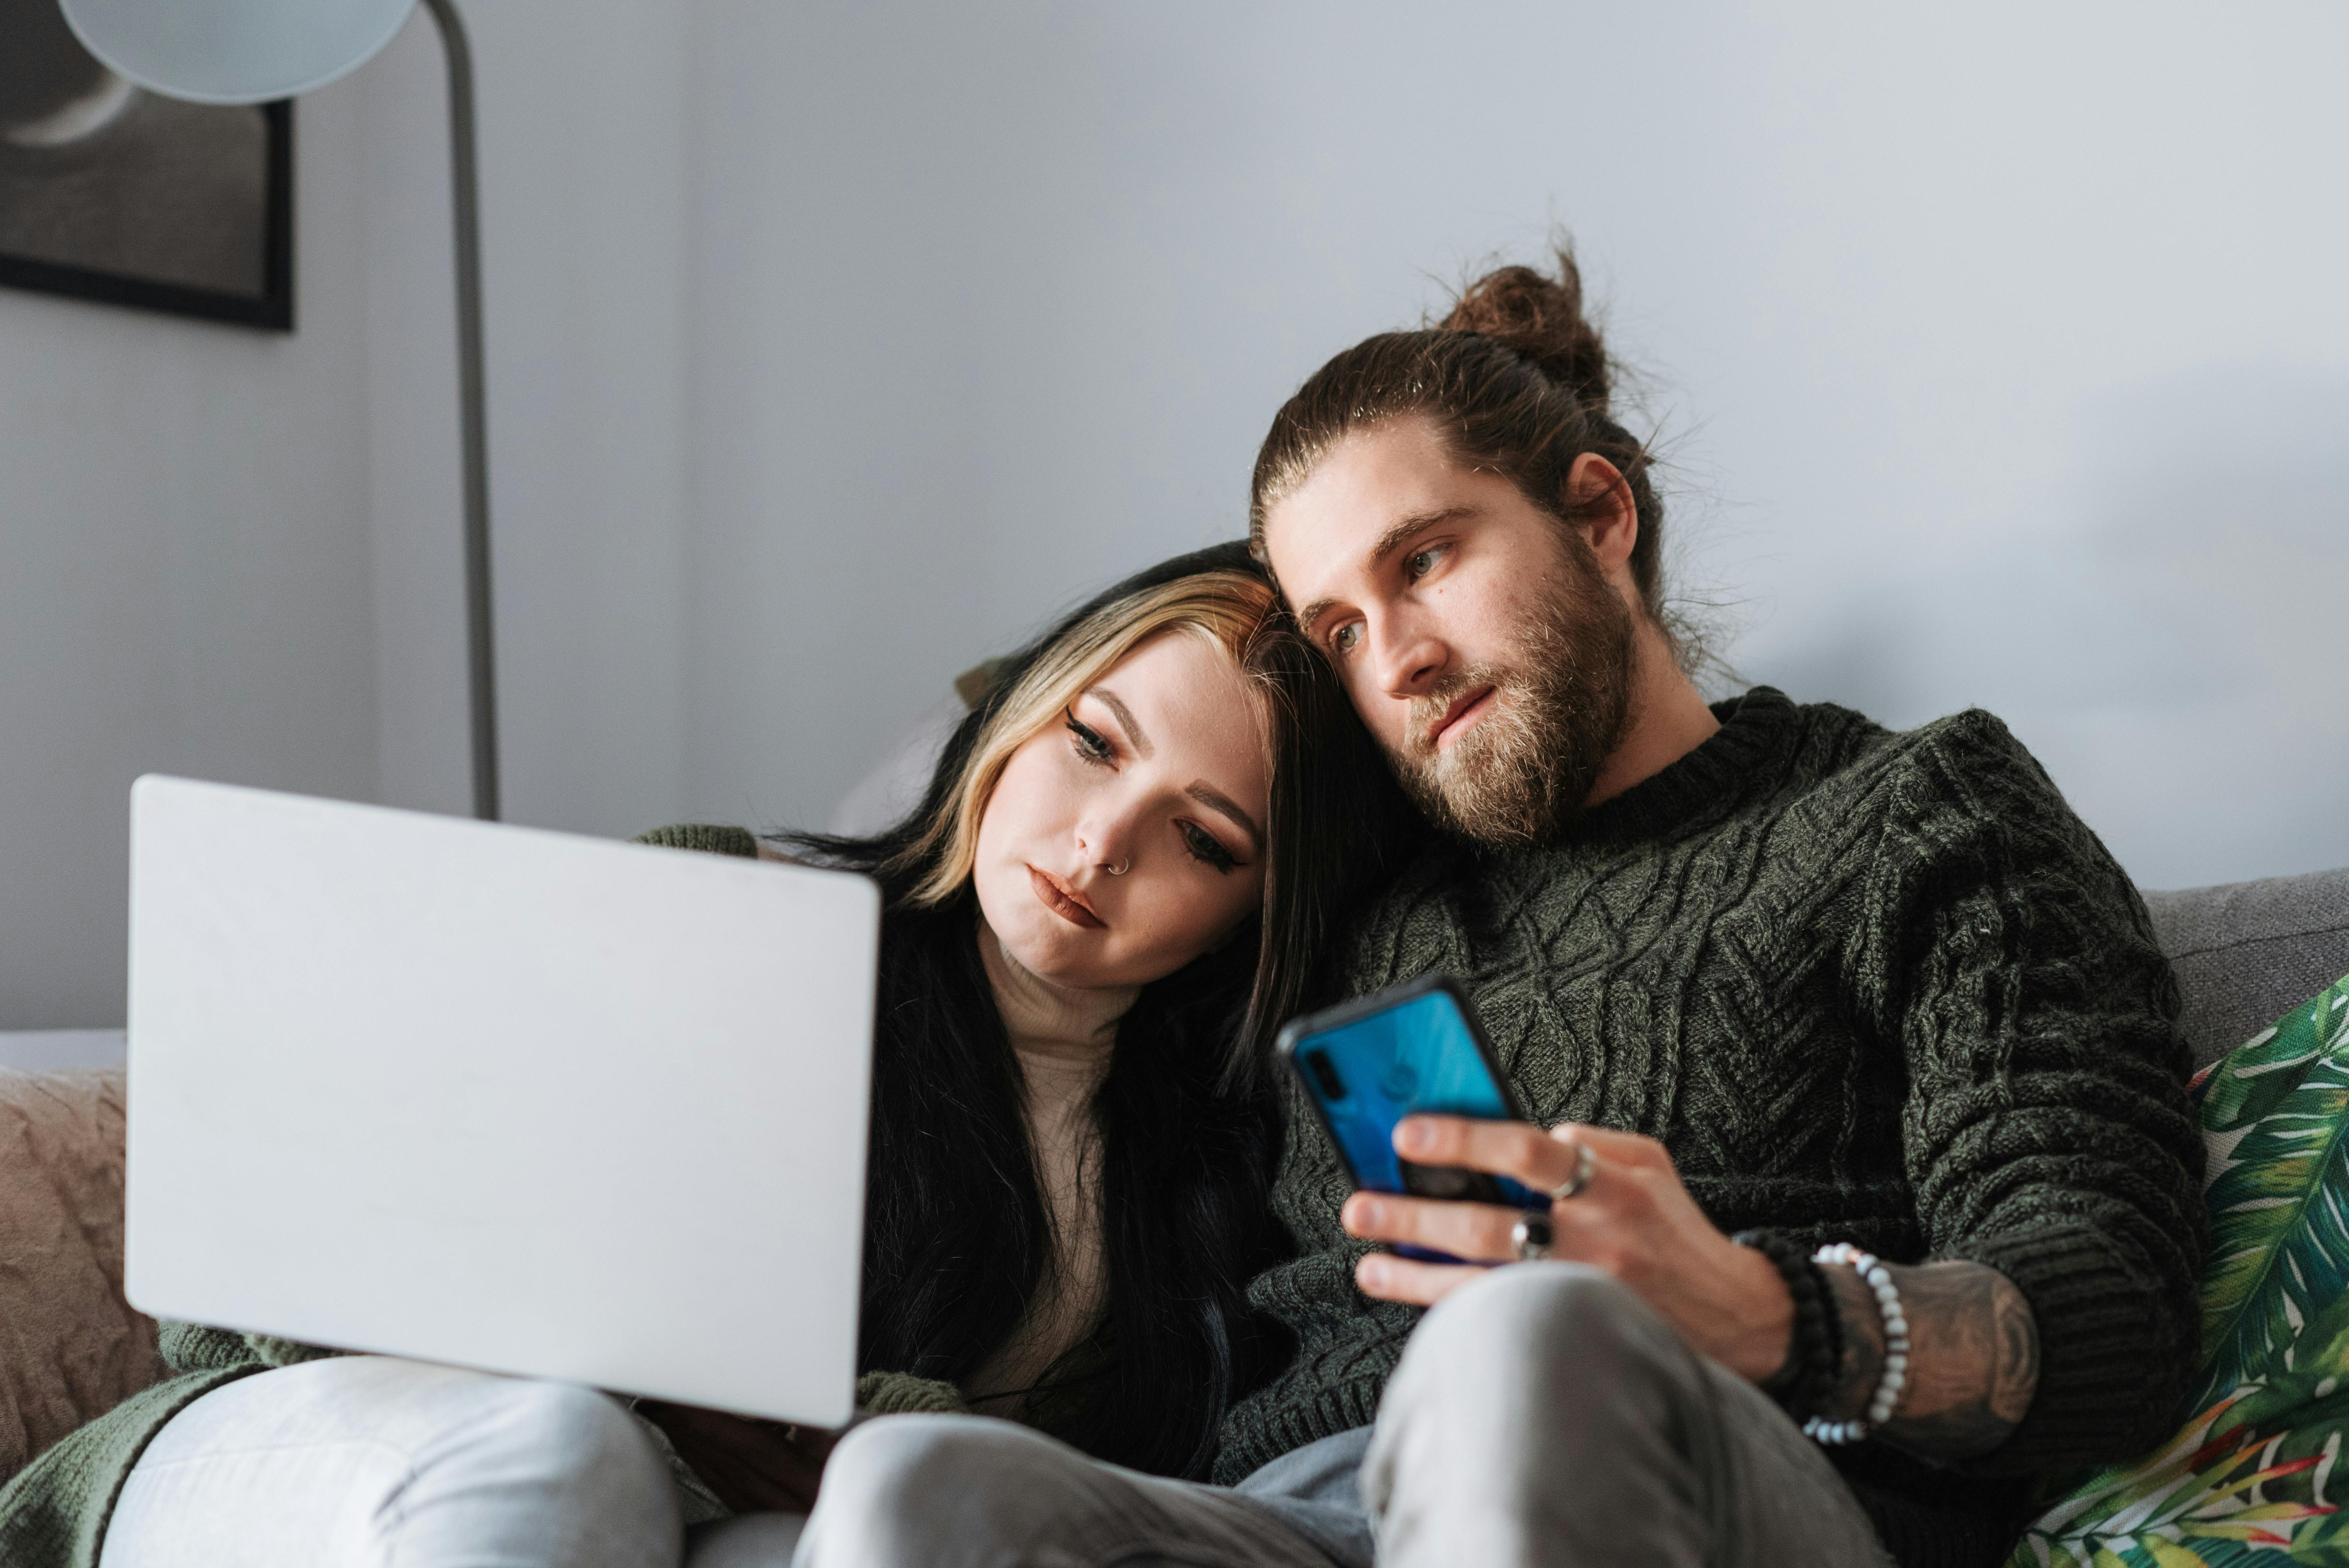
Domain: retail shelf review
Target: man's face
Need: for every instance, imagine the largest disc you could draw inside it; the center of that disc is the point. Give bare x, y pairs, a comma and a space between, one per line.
1475, 632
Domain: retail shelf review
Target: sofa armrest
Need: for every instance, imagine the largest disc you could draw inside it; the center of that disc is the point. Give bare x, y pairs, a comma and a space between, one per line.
2247, 953
70, 1345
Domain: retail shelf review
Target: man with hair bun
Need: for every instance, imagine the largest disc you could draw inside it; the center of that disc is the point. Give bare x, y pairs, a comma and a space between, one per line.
1850, 1053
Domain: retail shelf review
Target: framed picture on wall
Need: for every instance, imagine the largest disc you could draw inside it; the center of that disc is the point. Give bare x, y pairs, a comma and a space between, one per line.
110, 193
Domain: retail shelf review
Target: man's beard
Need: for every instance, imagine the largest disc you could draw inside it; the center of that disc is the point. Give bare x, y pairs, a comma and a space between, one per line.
1559, 706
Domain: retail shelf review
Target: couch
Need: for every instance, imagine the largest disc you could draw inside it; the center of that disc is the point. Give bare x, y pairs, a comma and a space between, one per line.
70, 1345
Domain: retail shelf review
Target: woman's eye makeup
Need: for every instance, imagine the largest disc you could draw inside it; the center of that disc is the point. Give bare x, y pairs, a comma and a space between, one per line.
1090, 744
1093, 748
1204, 845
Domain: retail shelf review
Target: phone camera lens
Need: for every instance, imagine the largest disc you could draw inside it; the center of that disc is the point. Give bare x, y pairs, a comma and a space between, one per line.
1325, 1073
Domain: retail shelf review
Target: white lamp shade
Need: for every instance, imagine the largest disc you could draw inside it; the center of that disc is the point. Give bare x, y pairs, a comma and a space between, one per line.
234, 51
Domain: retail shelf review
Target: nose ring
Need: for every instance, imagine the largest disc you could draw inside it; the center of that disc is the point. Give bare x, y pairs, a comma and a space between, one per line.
1120, 868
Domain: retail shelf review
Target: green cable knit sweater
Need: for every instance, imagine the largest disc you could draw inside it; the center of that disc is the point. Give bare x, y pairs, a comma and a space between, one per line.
54, 1513
1864, 986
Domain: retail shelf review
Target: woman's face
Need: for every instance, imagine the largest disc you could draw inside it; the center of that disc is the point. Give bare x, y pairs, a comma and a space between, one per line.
1126, 836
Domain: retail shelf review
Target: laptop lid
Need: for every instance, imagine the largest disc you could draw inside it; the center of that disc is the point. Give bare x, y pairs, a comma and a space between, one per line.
500, 1098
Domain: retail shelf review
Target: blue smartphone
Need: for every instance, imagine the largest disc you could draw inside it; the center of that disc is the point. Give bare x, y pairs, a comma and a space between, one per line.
1412, 1048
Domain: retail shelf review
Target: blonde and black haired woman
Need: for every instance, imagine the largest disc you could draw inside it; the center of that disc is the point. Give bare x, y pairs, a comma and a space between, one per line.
1129, 859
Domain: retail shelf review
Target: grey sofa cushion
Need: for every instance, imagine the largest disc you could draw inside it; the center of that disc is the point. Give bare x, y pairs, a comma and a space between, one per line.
2247, 952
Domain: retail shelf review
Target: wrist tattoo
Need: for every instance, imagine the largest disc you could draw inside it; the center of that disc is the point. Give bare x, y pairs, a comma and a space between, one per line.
1973, 1358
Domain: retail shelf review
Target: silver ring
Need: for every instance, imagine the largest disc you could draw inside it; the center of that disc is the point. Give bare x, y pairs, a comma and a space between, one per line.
1120, 868
1530, 1238
1586, 1166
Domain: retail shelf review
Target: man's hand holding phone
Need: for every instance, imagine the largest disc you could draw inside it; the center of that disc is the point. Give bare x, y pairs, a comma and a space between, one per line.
1420, 1114
1632, 1218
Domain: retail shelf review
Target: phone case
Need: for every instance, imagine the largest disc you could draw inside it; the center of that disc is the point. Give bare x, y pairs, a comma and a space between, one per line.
1412, 1047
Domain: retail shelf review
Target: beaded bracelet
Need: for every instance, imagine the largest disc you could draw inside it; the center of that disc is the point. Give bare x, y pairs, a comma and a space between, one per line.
1815, 1347
1887, 1398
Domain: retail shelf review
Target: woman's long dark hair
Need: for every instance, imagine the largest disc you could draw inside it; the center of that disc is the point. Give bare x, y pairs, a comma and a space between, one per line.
957, 1237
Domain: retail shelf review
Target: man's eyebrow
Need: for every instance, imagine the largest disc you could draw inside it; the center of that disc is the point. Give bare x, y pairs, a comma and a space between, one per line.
1312, 613
1398, 534
1133, 731
1214, 799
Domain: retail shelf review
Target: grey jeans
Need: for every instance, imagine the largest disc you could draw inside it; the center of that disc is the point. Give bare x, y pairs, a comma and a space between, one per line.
1541, 1416
364, 1461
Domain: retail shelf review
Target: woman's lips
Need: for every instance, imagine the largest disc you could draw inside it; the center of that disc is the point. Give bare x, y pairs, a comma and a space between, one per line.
1463, 711
1063, 899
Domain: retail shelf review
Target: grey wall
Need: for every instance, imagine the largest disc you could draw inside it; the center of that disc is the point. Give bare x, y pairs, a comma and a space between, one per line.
584, 182
236, 555
2001, 354
183, 579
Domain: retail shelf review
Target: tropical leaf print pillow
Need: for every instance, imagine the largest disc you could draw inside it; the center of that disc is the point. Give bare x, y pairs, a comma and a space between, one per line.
2253, 1475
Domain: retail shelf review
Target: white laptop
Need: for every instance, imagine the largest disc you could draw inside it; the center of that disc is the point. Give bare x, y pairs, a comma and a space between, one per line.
498, 1098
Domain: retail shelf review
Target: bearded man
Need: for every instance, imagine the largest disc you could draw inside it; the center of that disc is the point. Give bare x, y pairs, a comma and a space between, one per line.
1876, 1192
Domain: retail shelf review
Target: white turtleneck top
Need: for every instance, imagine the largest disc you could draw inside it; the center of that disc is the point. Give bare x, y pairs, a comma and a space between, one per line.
1062, 1038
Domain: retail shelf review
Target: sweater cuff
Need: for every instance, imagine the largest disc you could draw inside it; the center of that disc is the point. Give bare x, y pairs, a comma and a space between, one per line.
2111, 1358
710, 837
1291, 1424
903, 1394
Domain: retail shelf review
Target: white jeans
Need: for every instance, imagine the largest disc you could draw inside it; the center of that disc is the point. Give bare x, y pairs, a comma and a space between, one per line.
363, 1461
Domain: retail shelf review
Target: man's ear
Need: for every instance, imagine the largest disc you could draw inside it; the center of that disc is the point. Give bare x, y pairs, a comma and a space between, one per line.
1599, 501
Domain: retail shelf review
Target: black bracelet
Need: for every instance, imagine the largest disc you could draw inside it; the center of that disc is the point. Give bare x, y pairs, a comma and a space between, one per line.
1815, 1350
1823, 1359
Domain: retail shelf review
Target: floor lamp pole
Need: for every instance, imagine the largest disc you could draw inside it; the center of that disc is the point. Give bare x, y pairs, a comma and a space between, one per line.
480, 630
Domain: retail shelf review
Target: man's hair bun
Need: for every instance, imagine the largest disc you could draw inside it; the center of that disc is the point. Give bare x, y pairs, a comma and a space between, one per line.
1541, 318
1517, 383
